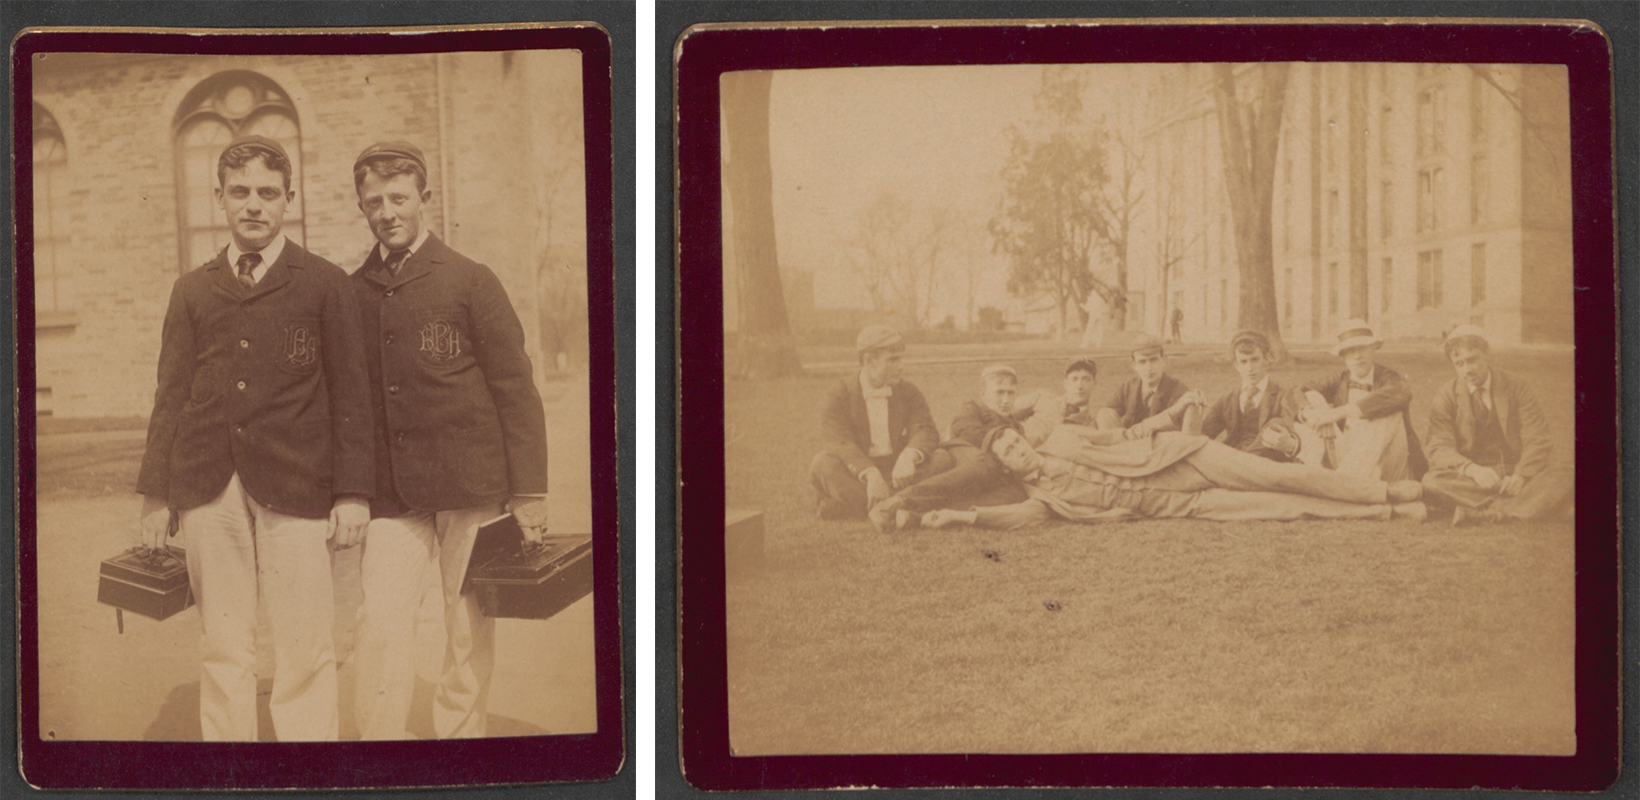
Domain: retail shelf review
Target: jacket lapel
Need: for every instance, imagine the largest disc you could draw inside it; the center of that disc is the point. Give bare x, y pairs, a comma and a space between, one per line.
1500, 403
1465, 414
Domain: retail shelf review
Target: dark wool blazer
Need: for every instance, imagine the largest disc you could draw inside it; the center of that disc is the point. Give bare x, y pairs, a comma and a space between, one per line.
975, 420
1527, 442
268, 382
1390, 395
1225, 416
846, 432
1129, 400
458, 420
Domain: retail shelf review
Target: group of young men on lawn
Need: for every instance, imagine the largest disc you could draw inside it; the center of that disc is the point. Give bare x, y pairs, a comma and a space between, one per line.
1340, 447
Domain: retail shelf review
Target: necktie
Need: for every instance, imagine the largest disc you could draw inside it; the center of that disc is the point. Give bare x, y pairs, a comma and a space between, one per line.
1365, 387
1247, 395
1479, 399
395, 259
246, 263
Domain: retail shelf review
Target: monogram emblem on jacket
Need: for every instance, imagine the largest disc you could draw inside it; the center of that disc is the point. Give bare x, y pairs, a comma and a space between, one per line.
301, 345
440, 341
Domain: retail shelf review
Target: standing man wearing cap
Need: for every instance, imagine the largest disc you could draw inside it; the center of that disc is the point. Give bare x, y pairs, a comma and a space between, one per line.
1356, 420
259, 444
1151, 400
1258, 417
876, 429
1490, 451
960, 474
460, 435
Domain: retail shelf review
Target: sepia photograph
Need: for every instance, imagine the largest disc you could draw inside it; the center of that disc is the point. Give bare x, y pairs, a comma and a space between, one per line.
305, 330
1149, 408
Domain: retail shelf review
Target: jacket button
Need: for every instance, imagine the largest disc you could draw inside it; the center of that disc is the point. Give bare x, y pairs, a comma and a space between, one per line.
394, 389
239, 429
389, 292
389, 338
241, 386
399, 438
244, 343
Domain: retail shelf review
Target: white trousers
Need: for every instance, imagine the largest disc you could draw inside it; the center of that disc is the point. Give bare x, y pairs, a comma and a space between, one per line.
399, 553
241, 552
1366, 448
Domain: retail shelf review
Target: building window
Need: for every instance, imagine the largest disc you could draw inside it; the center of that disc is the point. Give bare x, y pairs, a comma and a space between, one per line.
1477, 274
1386, 148
1386, 210
1429, 279
1332, 288
1431, 121
1332, 218
225, 106
51, 223
1477, 105
1387, 269
1429, 199
1480, 187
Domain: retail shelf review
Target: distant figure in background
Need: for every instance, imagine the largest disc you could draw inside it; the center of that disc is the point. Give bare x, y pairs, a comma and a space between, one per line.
1086, 475
1356, 421
1151, 400
1258, 417
460, 435
1490, 449
961, 475
1177, 319
877, 431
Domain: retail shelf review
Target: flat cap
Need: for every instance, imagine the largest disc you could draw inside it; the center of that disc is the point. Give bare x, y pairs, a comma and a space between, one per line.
391, 150
1084, 363
1147, 343
878, 337
1258, 339
255, 141
1467, 330
999, 369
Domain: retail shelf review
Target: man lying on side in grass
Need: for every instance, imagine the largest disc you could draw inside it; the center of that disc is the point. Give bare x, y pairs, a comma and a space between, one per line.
1086, 475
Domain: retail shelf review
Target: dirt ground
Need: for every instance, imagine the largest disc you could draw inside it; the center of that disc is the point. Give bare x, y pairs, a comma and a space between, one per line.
99, 684
1147, 636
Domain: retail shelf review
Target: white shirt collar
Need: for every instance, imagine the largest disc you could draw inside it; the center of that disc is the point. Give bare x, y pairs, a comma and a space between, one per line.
269, 254
867, 390
1485, 388
1260, 387
382, 251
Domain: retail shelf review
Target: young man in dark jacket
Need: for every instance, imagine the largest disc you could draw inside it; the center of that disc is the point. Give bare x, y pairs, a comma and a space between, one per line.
260, 445
460, 436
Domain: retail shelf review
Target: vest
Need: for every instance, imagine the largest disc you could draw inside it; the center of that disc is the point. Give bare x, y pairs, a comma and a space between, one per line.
1488, 447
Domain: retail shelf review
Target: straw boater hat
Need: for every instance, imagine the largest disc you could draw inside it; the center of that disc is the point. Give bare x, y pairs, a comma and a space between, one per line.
878, 337
1355, 333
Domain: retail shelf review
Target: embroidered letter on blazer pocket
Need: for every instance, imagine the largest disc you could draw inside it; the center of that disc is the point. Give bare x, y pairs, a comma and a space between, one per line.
297, 351
441, 337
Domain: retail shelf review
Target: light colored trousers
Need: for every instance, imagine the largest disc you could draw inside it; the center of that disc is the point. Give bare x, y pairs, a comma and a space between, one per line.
241, 552
400, 554
1366, 448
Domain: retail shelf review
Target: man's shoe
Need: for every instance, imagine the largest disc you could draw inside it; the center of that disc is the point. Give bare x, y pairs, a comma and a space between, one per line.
1404, 491
882, 515
830, 509
1414, 511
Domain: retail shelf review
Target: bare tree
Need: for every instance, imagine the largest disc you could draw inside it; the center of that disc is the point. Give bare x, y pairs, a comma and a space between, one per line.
1049, 224
1249, 132
1173, 240
765, 347
894, 251
1118, 206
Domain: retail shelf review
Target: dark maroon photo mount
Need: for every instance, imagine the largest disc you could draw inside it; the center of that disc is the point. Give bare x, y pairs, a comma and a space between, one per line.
707, 53
327, 765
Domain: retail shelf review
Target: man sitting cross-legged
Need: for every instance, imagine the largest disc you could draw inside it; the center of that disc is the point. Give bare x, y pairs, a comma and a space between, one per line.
1087, 475
960, 473
1258, 417
1355, 420
1490, 449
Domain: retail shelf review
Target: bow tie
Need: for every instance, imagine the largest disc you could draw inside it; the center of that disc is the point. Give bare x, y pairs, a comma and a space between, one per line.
1365, 387
881, 391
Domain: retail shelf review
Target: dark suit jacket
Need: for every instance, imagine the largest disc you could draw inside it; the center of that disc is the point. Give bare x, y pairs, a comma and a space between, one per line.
975, 420
267, 382
1390, 395
458, 420
846, 432
1527, 443
1225, 415
1129, 400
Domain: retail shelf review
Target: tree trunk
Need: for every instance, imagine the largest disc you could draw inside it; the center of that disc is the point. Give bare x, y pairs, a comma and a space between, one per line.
1249, 134
765, 347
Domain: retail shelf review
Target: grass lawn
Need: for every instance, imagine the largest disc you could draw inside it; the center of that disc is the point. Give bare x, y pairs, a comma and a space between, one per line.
1147, 636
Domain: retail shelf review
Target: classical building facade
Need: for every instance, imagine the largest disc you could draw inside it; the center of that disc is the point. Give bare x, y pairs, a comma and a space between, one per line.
125, 153
1416, 196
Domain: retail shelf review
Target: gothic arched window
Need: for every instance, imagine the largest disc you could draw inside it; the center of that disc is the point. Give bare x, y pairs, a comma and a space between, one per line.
51, 224
220, 108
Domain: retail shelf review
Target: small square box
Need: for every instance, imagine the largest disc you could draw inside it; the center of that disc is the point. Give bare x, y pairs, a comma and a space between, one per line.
153, 583
523, 582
